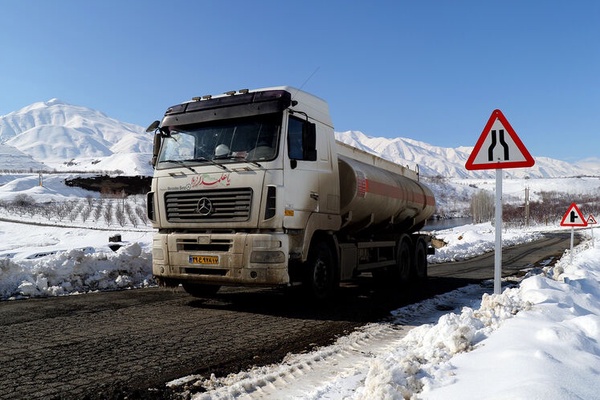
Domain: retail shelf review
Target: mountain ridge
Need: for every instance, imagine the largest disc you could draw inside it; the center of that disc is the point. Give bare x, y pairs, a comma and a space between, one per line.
55, 135
450, 162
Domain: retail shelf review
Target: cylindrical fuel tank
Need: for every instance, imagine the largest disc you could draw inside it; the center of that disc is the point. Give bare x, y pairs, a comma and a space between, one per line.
372, 196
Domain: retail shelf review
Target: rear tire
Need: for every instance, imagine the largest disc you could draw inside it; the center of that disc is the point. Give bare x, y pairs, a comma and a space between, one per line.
420, 259
395, 280
200, 290
404, 263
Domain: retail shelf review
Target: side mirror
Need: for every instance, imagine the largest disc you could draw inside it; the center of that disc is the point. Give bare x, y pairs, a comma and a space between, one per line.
153, 126
156, 147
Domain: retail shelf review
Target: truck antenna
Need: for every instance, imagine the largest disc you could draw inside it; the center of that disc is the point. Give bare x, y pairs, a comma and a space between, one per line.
306, 81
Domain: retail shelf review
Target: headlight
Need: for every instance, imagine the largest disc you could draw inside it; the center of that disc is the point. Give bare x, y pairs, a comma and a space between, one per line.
268, 257
158, 254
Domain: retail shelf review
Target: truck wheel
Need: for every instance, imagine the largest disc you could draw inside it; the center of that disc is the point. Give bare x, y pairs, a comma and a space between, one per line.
420, 259
321, 281
404, 260
200, 290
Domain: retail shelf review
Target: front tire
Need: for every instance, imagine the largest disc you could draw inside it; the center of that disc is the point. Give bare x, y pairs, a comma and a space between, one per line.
321, 280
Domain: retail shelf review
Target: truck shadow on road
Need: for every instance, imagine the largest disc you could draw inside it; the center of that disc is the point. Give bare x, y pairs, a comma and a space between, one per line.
358, 302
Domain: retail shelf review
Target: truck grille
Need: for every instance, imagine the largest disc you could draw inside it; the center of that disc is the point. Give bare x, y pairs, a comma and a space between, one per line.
209, 205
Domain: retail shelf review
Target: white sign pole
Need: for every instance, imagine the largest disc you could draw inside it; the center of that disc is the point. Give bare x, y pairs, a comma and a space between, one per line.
572, 241
496, 150
498, 249
591, 221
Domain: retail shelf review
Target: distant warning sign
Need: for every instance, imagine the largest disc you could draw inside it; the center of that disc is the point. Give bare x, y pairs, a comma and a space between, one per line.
573, 217
499, 147
591, 220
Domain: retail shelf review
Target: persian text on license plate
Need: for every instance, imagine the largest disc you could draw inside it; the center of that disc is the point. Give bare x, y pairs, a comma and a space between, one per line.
204, 260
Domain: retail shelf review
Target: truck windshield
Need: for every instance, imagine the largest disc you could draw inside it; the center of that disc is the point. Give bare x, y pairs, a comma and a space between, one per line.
250, 139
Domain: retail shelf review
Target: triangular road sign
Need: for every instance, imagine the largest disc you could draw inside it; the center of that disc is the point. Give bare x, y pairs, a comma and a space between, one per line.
573, 217
499, 147
591, 220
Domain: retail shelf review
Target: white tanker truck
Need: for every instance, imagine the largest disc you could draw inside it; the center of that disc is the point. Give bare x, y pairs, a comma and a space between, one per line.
251, 188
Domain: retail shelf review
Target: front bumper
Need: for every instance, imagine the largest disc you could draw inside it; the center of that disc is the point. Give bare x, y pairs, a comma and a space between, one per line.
222, 258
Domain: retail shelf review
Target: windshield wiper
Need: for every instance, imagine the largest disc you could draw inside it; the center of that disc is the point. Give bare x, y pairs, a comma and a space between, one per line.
182, 162
237, 158
212, 162
201, 159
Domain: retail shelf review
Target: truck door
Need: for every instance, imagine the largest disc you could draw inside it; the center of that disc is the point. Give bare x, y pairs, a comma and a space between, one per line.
301, 174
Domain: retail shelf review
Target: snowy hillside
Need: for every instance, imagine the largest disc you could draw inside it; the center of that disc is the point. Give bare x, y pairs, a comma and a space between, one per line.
12, 159
67, 137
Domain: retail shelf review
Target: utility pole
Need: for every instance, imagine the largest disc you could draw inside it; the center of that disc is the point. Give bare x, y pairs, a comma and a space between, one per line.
527, 207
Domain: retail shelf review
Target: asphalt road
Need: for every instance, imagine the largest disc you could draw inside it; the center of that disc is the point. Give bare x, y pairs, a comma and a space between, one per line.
514, 259
128, 344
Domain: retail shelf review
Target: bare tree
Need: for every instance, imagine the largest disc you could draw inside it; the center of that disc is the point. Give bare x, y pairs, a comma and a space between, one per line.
108, 213
85, 213
482, 206
141, 213
120, 216
62, 210
130, 214
76, 208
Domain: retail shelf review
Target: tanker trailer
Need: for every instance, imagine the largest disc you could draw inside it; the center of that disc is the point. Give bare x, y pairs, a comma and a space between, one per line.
251, 188
383, 206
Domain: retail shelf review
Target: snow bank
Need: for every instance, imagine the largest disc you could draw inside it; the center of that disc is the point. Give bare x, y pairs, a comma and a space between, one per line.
425, 352
549, 350
76, 271
51, 261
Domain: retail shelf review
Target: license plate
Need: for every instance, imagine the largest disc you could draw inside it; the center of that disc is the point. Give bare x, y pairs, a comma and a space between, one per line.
204, 260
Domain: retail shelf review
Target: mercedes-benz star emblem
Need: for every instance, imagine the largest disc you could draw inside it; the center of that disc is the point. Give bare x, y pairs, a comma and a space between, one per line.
204, 207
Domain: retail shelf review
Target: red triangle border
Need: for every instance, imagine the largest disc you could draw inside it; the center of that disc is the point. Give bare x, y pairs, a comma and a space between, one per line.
497, 114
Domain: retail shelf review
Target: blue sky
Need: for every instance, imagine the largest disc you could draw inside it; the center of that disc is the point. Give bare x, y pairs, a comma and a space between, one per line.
427, 70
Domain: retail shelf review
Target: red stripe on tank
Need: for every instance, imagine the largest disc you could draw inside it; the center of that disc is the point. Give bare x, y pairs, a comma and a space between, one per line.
383, 189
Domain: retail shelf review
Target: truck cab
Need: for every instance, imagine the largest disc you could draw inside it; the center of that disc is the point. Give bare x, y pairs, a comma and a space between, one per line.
243, 183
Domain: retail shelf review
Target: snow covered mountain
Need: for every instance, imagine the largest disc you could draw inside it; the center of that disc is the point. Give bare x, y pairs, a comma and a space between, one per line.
65, 137
54, 135
450, 162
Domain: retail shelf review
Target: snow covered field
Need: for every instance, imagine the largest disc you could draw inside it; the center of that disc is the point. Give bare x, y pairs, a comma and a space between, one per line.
539, 339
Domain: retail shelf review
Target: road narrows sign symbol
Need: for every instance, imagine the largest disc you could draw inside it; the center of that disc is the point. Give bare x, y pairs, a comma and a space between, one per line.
499, 147
573, 217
